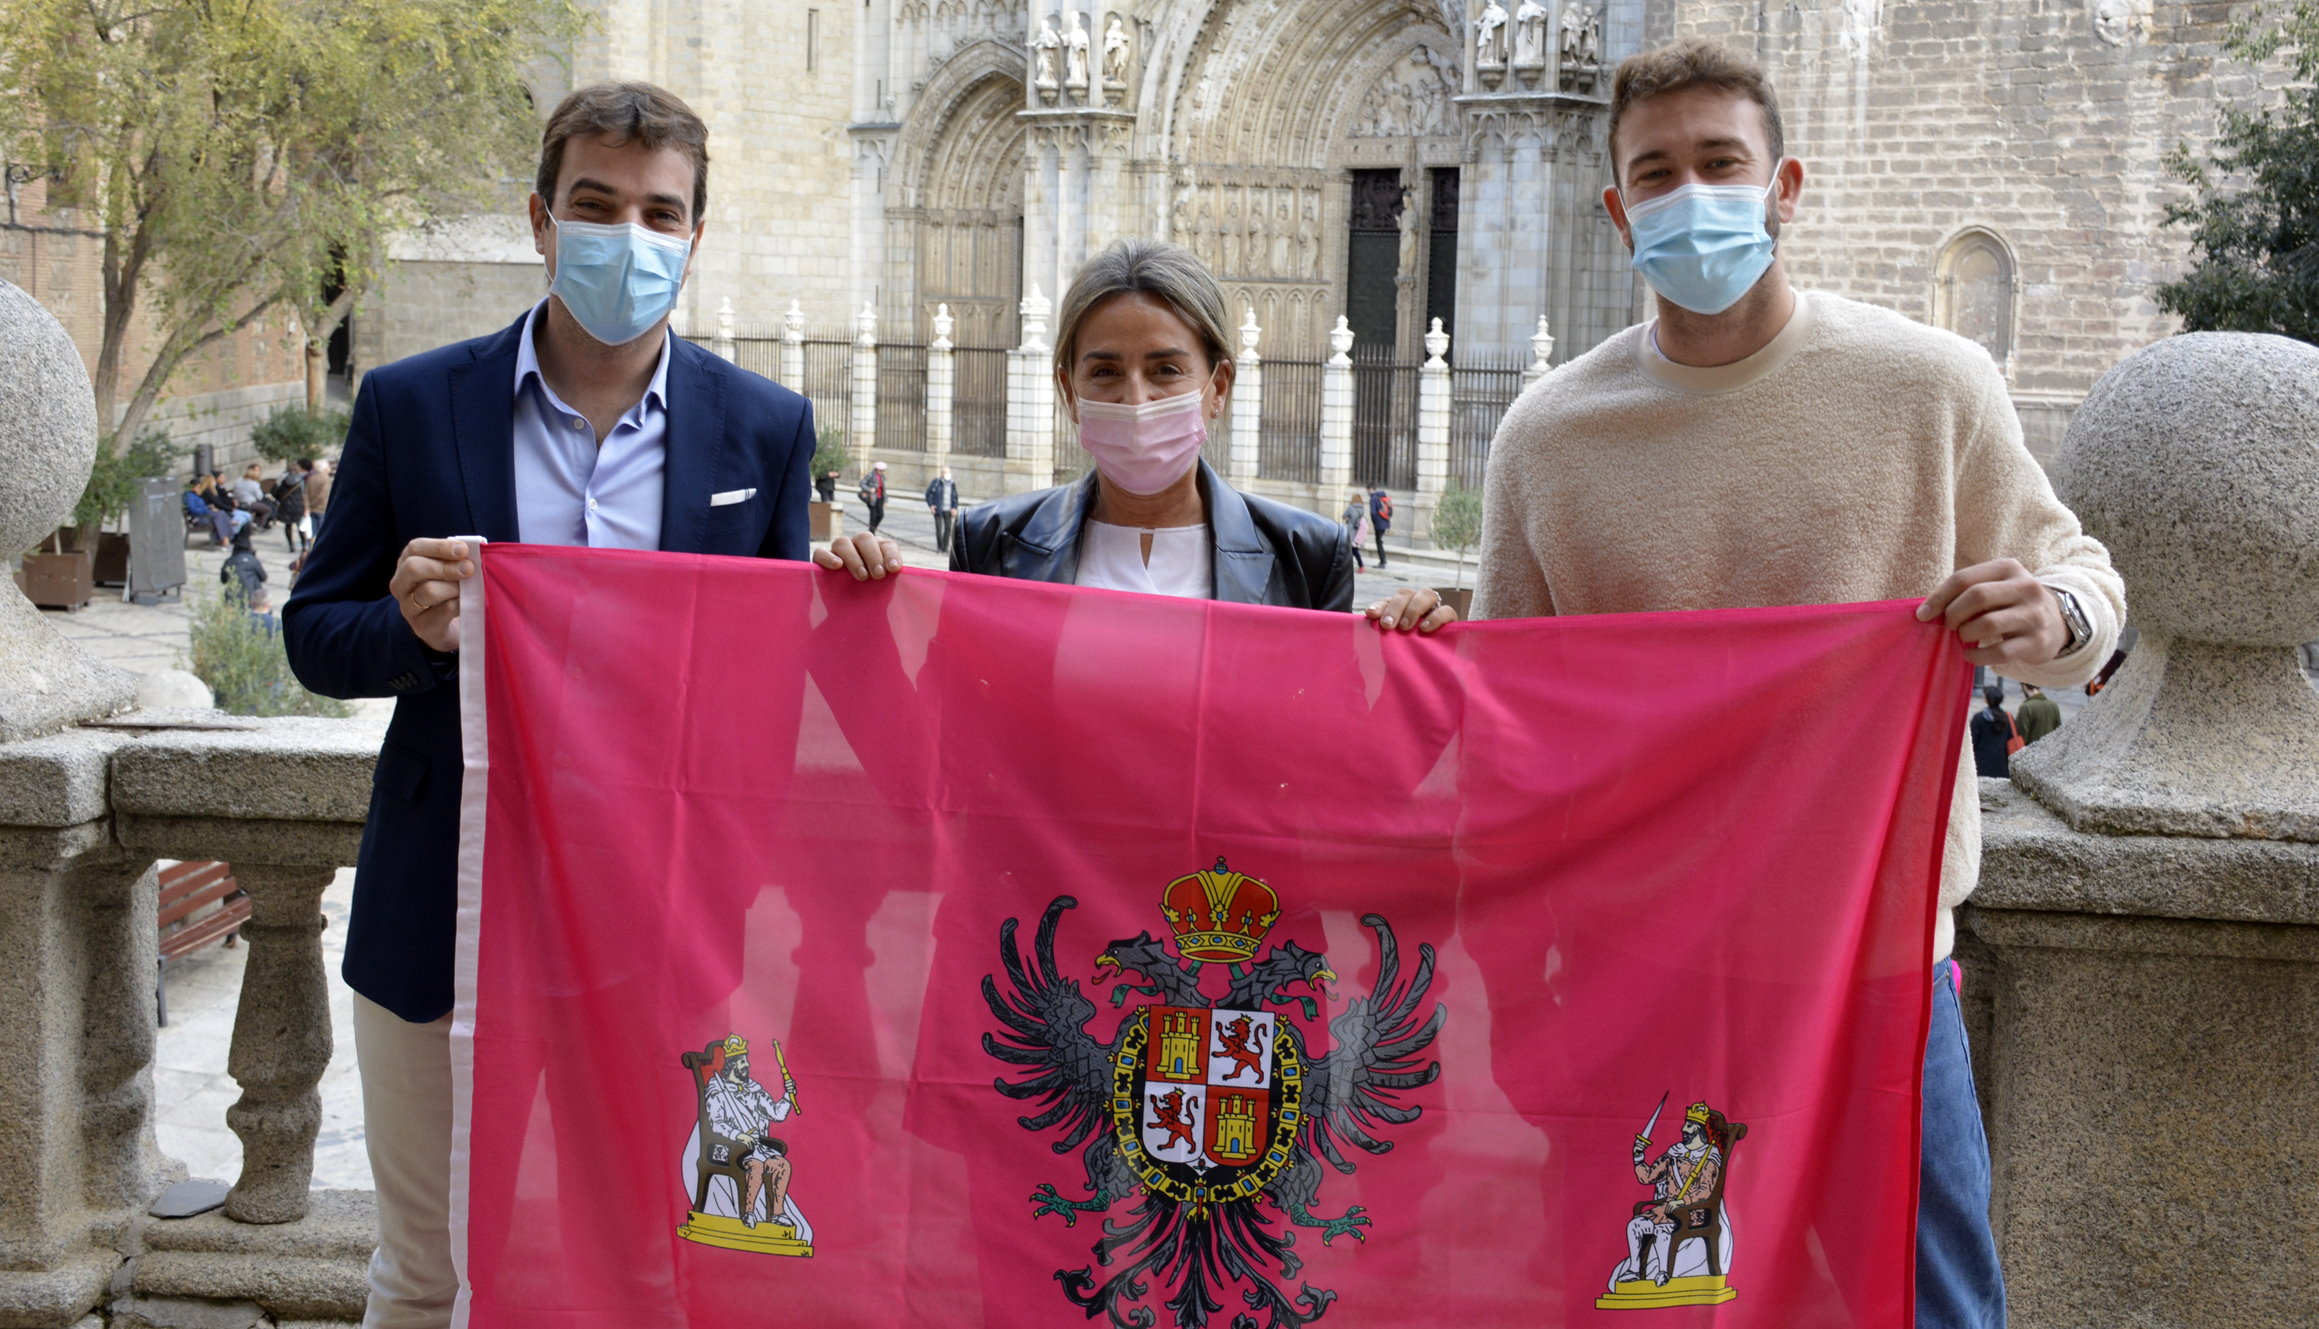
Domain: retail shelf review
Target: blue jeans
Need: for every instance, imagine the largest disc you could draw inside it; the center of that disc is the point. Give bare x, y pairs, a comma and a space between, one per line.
1958, 1285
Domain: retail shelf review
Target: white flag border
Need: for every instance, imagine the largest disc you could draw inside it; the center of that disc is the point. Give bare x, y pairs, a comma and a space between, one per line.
474, 792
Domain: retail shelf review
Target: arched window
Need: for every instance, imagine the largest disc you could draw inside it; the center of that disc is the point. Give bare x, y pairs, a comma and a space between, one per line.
1974, 291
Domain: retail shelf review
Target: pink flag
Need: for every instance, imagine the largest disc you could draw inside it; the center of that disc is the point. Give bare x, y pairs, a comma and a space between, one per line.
950, 951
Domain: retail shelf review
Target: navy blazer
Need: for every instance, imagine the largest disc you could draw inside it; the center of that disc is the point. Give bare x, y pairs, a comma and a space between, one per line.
431, 454
1266, 553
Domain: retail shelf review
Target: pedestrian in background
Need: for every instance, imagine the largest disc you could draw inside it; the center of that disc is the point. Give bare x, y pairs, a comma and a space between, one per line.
873, 493
826, 486
1356, 519
2038, 716
1993, 736
290, 508
1380, 517
243, 576
942, 501
317, 493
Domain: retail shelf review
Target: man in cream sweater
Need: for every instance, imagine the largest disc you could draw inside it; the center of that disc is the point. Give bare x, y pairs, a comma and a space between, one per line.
1758, 445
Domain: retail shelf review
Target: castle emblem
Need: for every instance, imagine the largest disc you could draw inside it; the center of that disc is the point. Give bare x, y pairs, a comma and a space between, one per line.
1204, 1110
1679, 1240
739, 1170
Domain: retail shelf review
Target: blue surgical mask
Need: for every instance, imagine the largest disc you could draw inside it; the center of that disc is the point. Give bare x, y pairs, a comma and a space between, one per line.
618, 279
1703, 246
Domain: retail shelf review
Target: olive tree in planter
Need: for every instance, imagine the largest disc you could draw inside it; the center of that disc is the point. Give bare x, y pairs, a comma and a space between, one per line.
829, 454
1457, 527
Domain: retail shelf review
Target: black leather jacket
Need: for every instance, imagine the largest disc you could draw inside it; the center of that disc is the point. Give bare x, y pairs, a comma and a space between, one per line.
1267, 553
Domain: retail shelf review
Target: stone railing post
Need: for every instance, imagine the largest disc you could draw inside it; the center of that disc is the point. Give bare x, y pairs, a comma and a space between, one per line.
1541, 346
2145, 938
863, 426
281, 1042
941, 381
723, 343
1031, 400
1337, 413
1433, 413
1247, 405
793, 348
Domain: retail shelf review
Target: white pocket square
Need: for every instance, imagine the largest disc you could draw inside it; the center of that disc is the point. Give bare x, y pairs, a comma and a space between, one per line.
731, 496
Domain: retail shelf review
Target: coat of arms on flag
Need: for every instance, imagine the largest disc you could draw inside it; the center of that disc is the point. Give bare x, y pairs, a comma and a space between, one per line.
1207, 1115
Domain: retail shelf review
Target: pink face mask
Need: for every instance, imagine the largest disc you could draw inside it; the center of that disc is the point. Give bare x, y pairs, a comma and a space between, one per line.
1144, 449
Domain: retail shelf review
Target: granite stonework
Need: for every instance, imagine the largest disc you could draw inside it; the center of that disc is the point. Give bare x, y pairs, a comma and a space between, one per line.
2197, 461
2144, 944
48, 441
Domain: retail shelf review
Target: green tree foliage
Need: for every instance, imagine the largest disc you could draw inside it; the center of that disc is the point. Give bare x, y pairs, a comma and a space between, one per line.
242, 661
2255, 220
240, 158
1457, 524
292, 434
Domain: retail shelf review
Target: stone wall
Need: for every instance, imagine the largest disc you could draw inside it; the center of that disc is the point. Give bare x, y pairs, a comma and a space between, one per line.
1921, 123
424, 304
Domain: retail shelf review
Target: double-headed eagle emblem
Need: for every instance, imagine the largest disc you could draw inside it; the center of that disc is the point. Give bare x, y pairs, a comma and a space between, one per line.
1207, 1111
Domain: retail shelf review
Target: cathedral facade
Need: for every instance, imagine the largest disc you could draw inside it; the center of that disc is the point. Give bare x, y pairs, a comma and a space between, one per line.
1993, 168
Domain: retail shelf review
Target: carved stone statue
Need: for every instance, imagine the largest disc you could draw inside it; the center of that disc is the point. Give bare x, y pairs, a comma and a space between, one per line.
2114, 21
1489, 42
1180, 211
1309, 237
1581, 44
1047, 58
1283, 235
1407, 267
1115, 54
1075, 55
1530, 35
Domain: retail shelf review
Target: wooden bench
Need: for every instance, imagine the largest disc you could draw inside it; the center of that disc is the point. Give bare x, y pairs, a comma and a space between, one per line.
200, 903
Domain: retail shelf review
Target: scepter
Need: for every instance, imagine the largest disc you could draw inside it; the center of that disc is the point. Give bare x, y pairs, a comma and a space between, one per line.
788, 1081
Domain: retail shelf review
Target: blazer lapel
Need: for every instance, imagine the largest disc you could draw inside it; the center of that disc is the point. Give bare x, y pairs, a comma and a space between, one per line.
483, 435
695, 437
1243, 563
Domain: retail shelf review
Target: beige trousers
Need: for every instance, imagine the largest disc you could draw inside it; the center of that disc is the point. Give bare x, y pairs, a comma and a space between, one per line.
406, 1115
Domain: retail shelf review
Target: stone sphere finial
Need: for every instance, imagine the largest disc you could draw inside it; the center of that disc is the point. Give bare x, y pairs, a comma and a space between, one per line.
2196, 460
48, 421
48, 443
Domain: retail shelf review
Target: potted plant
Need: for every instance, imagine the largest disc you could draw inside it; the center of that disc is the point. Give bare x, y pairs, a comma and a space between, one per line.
1457, 526
827, 522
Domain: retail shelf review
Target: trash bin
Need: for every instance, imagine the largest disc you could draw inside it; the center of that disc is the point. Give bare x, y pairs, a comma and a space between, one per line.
156, 540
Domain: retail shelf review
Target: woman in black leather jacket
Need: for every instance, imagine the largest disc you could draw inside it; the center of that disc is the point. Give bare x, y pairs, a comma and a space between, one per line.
1139, 338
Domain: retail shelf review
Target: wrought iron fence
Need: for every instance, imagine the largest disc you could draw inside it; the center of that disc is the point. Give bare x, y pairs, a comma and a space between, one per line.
1290, 423
1384, 419
829, 383
1479, 393
978, 412
902, 397
758, 355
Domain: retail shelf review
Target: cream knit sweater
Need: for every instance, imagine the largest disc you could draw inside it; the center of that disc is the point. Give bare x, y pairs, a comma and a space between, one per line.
1859, 456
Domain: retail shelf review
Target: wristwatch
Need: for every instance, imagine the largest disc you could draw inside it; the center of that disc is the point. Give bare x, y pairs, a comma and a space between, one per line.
2073, 618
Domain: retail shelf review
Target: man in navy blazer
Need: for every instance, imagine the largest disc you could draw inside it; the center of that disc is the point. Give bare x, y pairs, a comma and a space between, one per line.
583, 423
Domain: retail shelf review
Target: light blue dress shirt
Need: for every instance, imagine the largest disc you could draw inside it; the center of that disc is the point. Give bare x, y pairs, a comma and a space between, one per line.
571, 490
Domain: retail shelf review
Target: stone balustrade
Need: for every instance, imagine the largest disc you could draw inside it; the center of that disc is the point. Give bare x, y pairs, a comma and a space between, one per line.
2142, 954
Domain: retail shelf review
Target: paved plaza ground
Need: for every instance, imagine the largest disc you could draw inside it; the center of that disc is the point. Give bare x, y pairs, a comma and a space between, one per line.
191, 1087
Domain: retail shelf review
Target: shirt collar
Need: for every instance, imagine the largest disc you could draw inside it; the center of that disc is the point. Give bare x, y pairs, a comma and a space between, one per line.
527, 363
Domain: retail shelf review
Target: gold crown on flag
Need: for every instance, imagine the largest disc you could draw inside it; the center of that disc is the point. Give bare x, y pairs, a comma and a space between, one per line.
736, 1046
1219, 914
1697, 1112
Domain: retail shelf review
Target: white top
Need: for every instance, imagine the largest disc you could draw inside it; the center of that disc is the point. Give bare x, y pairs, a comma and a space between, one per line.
1181, 560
